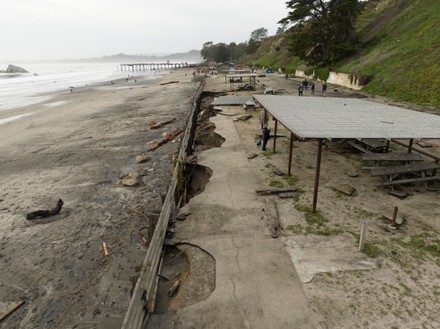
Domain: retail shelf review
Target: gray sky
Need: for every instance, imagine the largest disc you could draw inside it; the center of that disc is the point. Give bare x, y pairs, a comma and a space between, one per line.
69, 29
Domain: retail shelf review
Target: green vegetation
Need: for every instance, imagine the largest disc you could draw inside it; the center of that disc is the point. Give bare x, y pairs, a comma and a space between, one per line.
398, 55
316, 223
322, 32
372, 249
406, 251
291, 180
276, 183
402, 56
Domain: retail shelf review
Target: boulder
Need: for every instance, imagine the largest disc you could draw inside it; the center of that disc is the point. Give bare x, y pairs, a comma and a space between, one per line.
142, 159
15, 69
183, 213
131, 180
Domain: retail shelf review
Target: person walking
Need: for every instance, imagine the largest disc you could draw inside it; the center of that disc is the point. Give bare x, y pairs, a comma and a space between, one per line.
265, 134
324, 88
300, 90
305, 84
312, 88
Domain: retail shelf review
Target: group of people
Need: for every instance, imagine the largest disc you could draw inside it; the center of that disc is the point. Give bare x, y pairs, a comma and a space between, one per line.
304, 86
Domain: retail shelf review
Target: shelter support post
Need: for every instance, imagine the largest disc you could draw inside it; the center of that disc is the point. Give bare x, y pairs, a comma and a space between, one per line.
410, 145
289, 172
317, 174
275, 136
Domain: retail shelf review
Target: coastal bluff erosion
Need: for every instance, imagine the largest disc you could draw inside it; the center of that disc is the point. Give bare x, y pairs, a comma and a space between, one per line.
14, 69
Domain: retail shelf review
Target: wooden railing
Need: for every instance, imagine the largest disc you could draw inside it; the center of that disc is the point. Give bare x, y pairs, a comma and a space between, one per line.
138, 310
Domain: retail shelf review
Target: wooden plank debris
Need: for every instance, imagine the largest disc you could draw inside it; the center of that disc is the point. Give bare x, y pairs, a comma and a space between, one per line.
275, 191
174, 287
105, 249
11, 310
272, 218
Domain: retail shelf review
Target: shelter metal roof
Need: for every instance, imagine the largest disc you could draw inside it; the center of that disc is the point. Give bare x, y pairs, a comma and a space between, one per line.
242, 75
327, 117
231, 100
237, 71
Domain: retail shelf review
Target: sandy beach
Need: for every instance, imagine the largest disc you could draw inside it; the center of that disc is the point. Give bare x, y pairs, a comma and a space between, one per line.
78, 147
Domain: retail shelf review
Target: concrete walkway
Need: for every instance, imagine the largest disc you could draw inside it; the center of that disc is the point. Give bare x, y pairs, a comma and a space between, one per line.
256, 283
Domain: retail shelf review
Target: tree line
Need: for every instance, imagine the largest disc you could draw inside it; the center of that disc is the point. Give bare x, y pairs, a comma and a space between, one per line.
222, 52
320, 32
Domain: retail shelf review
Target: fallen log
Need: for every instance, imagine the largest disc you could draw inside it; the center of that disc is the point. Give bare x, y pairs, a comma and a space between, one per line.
155, 125
169, 82
243, 117
275, 191
166, 139
228, 114
12, 309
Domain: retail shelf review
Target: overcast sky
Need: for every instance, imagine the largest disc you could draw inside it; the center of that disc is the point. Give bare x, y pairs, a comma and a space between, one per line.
70, 29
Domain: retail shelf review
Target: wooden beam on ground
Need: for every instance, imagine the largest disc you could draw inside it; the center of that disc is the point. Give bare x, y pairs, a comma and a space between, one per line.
275, 191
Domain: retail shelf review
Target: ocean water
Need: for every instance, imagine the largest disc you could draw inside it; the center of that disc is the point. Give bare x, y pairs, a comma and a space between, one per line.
47, 79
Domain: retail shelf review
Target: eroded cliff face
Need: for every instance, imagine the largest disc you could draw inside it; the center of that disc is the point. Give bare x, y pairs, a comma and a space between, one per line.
14, 69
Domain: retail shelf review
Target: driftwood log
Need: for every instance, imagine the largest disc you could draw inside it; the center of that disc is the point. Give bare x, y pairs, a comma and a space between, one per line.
167, 83
243, 118
228, 114
272, 218
156, 125
166, 139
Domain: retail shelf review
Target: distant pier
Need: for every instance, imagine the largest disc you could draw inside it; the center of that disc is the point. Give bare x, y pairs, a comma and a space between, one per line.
141, 67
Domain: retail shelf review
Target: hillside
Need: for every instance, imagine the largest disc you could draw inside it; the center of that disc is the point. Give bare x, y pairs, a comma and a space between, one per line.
401, 51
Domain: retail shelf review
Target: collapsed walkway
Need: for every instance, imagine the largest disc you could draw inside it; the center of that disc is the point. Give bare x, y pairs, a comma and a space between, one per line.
256, 285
